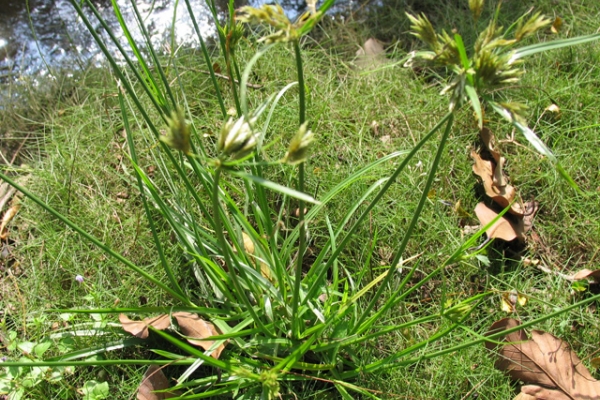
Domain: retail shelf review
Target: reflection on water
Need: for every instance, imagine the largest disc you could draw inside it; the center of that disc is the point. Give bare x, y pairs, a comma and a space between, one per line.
49, 34
39, 35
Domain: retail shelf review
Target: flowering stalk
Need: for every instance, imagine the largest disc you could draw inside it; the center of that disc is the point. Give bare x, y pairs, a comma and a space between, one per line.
300, 188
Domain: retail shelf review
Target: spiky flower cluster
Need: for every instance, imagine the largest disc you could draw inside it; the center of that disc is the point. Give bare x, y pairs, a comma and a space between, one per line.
178, 135
237, 138
299, 146
273, 15
492, 64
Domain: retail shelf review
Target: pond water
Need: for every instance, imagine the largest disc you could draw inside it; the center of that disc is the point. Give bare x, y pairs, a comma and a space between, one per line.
37, 36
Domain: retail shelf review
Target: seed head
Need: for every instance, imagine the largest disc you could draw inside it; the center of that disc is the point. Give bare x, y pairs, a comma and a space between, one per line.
236, 139
299, 146
178, 136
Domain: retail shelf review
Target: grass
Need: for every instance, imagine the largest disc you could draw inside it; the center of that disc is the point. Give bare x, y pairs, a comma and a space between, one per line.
76, 153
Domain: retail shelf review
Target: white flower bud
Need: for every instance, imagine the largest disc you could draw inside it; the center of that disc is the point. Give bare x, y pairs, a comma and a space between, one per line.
236, 139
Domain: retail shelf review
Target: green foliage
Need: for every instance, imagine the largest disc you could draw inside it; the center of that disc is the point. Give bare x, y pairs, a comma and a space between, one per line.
287, 315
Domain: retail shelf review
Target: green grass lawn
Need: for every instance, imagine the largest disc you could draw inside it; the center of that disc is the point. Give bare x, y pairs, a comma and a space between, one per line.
76, 152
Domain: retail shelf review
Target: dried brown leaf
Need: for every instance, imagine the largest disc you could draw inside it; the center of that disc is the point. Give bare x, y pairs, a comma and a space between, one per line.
196, 329
154, 379
530, 209
6, 193
6, 218
140, 328
524, 396
501, 229
489, 141
535, 392
586, 274
371, 54
502, 195
545, 362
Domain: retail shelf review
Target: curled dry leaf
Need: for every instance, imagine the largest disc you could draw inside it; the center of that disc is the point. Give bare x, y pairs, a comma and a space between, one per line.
547, 364
585, 273
140, 328
154, 379
489, 141
530, 209
6, 218
502, 195
501, 229
6, 193
196, 330
190, 325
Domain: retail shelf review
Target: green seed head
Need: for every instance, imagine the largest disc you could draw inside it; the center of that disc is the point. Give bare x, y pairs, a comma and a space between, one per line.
299, 146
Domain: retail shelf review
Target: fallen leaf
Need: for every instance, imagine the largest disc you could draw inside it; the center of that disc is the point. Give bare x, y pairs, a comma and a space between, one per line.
553, 108
6, 218
530, 209
586, 274
471, 229
385, 139
556, 25
154, 379
6, 193
535, 392
370, 54
551, 369
502, 195
489, 141
140, 328
375, 128
523, 396
510, 300
501, 229
196, 329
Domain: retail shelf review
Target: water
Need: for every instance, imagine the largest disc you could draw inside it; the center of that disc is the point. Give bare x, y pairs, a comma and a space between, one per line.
40, 36
47, 34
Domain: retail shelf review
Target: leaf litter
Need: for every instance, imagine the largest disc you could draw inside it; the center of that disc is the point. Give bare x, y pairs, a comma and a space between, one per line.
154, 380
190, 325
488, 164
545, 363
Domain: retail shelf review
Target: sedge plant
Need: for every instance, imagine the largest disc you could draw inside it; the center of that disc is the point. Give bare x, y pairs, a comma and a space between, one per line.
281, 316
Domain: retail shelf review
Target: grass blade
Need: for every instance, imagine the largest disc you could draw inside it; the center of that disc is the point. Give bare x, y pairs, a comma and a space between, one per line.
553, 45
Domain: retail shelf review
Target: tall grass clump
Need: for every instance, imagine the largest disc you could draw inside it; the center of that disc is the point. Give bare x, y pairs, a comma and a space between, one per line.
276, 316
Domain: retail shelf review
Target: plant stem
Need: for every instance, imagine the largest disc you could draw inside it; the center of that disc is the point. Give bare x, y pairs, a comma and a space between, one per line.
300, 188
230, 262
407, 235
207, 59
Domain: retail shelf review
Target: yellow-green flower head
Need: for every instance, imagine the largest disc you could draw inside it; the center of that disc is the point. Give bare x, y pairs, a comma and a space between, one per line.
299, 146
178, 136
237, 139
274, 16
